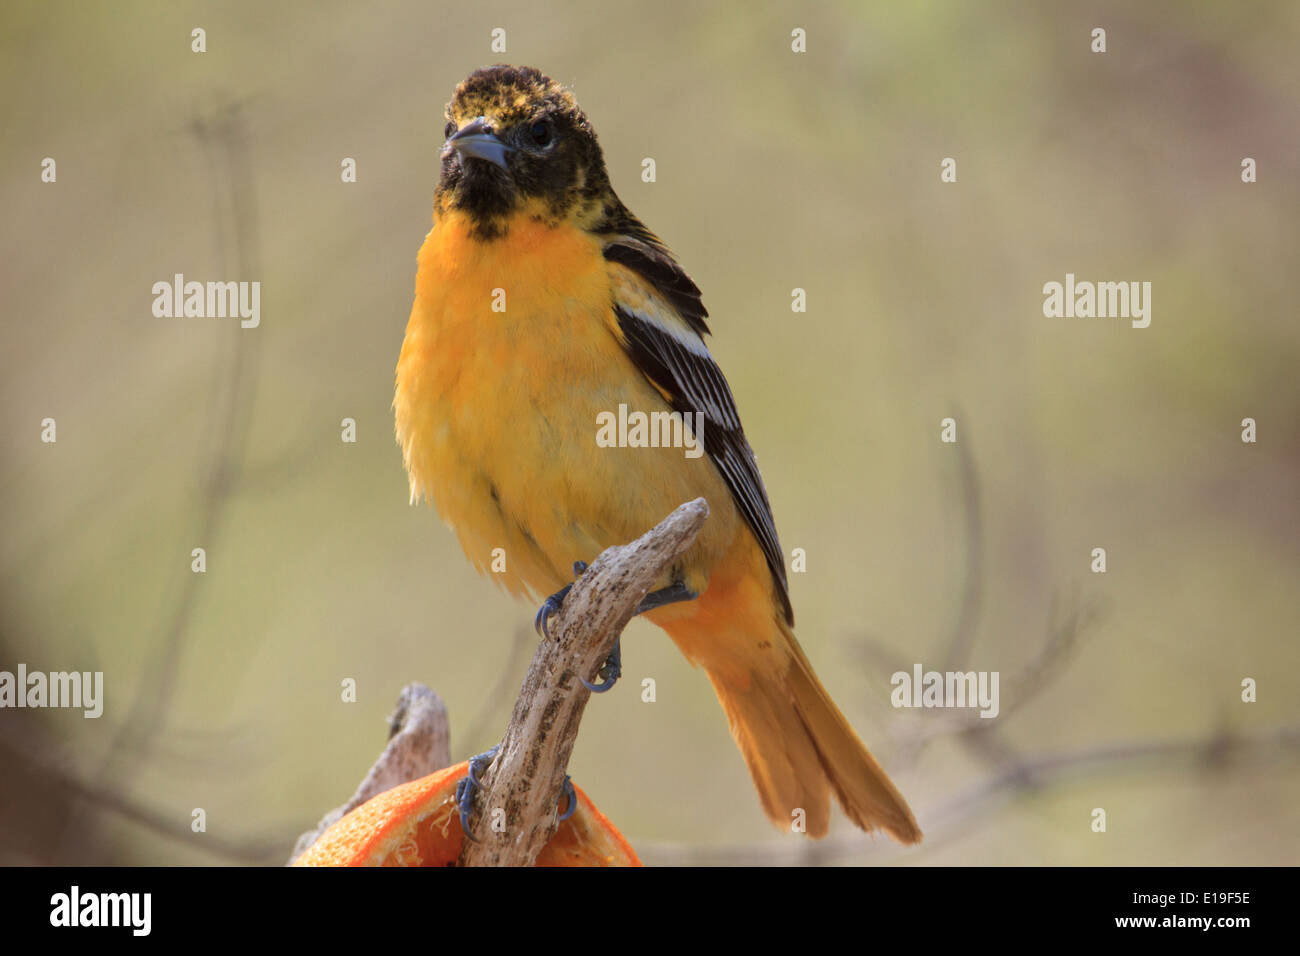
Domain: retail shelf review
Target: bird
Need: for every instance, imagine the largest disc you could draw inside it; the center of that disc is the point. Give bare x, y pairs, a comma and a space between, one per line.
542, 306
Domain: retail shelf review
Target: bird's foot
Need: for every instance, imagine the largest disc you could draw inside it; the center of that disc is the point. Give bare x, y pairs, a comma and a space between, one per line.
572, 805
553, 603
610, 671
672, 594
612, 668
466, 788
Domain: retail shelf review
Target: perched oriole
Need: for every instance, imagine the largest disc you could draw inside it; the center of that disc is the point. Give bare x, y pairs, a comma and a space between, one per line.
542, 302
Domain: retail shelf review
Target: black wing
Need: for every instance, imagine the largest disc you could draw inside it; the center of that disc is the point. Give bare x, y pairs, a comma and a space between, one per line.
681, 367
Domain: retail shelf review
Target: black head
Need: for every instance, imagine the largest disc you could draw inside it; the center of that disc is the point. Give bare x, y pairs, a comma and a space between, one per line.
518, 143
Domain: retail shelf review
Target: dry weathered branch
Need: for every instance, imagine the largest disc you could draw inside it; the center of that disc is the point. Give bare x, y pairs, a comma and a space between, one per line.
527, 776
419, 742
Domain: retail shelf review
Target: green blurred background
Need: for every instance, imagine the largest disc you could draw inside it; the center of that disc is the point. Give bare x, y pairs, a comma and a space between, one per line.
775, 170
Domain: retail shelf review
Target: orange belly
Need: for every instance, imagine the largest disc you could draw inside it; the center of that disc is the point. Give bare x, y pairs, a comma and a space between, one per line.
497, 410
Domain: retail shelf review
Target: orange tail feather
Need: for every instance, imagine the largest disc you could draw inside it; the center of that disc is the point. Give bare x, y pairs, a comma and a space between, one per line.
797, 744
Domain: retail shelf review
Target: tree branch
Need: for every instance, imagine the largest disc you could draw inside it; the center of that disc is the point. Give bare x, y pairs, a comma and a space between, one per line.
527, 776
419, 743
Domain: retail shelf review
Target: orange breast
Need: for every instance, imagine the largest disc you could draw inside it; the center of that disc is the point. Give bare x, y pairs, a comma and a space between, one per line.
509, 357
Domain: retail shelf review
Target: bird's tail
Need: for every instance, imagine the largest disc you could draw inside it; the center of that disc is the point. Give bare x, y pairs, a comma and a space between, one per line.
797, 744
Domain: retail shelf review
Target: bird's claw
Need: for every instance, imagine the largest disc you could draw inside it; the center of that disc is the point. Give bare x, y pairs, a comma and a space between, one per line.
609, 672
466, 787
572, 805
550, 606
553, 603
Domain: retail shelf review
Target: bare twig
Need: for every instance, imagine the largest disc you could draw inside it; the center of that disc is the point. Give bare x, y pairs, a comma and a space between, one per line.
523, 785
962, 638
946, 821
419, 742
37, 757
223, 136
496, 700
1064, 631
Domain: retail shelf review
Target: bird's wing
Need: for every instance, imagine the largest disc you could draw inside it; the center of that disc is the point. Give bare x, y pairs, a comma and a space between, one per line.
660, 322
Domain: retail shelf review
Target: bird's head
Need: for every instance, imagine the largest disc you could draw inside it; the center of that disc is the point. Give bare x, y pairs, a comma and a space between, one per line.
517, 143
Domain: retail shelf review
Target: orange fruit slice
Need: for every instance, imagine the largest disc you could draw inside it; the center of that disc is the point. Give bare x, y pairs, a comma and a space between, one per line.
417, 824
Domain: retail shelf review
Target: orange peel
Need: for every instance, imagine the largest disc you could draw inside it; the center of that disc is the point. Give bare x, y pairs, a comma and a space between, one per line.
416, 824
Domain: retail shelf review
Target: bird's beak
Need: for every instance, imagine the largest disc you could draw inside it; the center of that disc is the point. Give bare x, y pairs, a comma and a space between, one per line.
476, 141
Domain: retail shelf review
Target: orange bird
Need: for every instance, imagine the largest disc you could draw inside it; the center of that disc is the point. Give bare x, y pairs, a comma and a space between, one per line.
544, 310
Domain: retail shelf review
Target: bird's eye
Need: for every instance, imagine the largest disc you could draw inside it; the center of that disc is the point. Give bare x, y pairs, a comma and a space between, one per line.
449, 130
540, 133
